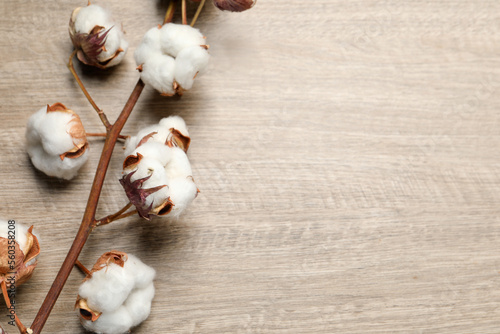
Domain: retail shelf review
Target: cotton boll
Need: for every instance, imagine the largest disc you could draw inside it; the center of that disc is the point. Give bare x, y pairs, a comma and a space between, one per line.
98, 39
175, 37
182, 192
179, 166
188, 63
56, 141
130, 308
153, 167
170, 41
158, 72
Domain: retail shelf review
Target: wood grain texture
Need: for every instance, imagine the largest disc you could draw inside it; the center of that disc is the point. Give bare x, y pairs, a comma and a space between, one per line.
347, 154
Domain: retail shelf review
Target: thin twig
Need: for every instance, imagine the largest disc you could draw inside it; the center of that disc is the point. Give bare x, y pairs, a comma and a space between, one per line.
19, 324
80, 266
169, 15
101, 113
89, 215
110, 218
102, 134
124, 215
184, 15
198, 11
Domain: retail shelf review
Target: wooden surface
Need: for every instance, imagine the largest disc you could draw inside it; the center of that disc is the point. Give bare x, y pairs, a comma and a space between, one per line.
347, 154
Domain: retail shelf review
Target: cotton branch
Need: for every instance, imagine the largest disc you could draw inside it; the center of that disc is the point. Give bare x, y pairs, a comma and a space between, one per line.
89, 215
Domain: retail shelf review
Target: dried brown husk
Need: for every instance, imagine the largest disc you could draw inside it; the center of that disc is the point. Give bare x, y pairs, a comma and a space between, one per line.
85, 311
234, 5
177, 139
18, 271
114, 256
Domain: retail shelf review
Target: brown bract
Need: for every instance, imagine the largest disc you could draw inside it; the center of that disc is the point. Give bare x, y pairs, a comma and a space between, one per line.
15, 265
234, 5
91, 44
177, 139
75, 129
114, 256
137, 195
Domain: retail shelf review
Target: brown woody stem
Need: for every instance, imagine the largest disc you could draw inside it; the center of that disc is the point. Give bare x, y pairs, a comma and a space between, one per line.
89, 215
101, 113
102, 134
184, 15
19, 324
80, 266
169, 15
198, 11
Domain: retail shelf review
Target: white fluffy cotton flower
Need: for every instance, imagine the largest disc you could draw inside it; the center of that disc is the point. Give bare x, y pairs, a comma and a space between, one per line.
99, 40
56, 141
170, 57
116, 295
157, 174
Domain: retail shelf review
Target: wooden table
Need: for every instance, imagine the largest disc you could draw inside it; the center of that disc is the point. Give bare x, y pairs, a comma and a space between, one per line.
347, 154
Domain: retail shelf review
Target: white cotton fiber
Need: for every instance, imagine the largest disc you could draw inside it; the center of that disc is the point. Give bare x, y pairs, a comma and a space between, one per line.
90, 16
189, 62
182, 192
53, 165
53, 130
138, 304
175, 37
158, 72
108, 288
179, 165
113, 322
150, 44
155, 150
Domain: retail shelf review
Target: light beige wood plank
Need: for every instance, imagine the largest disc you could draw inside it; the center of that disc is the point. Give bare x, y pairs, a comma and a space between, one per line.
346, 153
